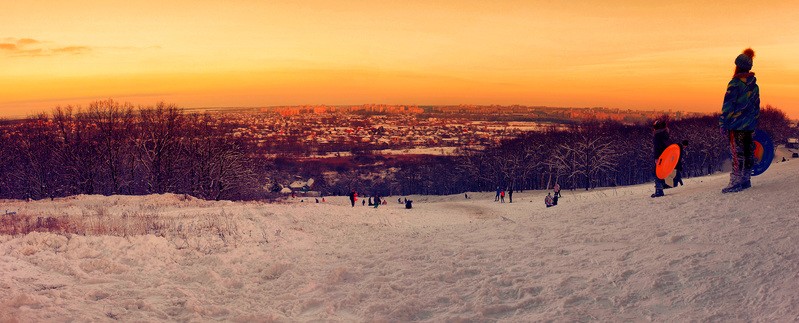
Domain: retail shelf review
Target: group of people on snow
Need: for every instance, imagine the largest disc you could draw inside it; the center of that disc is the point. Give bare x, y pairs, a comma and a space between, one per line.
552, 200
738, 120
500, 197
375, 200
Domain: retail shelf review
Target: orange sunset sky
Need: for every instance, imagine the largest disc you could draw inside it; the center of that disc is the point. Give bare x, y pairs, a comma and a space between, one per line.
202, 53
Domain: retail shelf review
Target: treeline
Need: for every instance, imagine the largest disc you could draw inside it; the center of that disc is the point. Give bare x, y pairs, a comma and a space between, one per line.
112, 148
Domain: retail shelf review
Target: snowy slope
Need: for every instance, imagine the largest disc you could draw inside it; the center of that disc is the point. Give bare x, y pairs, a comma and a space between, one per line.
609, 255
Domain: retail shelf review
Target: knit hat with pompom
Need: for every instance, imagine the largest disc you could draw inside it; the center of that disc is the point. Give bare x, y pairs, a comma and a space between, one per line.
744, 60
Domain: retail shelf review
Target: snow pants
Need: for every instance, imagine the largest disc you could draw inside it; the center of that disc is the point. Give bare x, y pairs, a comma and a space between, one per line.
742, 150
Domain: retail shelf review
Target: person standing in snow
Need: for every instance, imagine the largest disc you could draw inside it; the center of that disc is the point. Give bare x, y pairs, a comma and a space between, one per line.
502, 196
377, 201
660, 141
353, 196
510, 195
496, 198
548, 200
556, 188
738, 121
678, 175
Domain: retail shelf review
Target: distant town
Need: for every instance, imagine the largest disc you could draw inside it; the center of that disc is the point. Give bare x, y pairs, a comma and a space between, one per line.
328, 131
320, 131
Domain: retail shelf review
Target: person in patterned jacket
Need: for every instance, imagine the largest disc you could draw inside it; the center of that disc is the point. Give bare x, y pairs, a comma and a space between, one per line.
738, 121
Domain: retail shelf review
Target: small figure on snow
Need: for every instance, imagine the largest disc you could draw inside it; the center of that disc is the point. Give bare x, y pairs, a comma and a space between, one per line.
660, 141
548, 200
678, 175
353, 197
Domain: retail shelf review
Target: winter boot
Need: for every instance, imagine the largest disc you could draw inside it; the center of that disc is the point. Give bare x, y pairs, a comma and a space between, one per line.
731, 189
658, 193
736, 179
746, 179
734, 186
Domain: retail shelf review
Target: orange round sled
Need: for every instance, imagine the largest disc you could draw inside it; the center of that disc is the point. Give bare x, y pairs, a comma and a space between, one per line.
667, 161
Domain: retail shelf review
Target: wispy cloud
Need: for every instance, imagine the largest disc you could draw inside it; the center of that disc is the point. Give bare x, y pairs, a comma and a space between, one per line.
28, 47
27, 41
72, 50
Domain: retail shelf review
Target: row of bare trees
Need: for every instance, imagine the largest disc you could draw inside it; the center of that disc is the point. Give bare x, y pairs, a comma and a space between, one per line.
112, 148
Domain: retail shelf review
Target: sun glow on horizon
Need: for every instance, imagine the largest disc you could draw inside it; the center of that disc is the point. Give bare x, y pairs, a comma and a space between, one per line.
619, 54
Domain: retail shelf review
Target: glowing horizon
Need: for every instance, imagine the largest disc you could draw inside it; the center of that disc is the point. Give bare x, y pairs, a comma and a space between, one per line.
618, 54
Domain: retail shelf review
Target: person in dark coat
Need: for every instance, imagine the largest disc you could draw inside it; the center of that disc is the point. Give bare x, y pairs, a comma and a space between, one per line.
738, 121
660, 141
510, 195
678, 175
352, 196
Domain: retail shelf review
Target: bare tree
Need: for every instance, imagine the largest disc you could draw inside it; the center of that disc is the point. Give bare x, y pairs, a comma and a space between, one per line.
37, 158
114, 122
585, 159
158, 146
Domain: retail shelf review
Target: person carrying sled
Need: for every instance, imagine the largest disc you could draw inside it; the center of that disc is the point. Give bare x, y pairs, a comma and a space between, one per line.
353, 197
738, 121
660, 141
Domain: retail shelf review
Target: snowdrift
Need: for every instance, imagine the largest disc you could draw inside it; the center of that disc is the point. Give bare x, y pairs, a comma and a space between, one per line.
608, 255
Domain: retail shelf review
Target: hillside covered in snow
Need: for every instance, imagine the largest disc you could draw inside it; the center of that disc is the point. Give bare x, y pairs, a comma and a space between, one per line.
608, 255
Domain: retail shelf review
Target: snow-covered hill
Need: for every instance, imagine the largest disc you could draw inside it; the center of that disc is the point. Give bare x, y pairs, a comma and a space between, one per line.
608, 255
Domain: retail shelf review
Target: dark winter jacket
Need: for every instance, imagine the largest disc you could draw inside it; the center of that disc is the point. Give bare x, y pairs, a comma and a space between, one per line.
682, 154
659, 142
741, 108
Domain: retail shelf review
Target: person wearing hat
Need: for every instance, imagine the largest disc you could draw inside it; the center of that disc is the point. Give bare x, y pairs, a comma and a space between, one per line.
659, 143
738, 121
